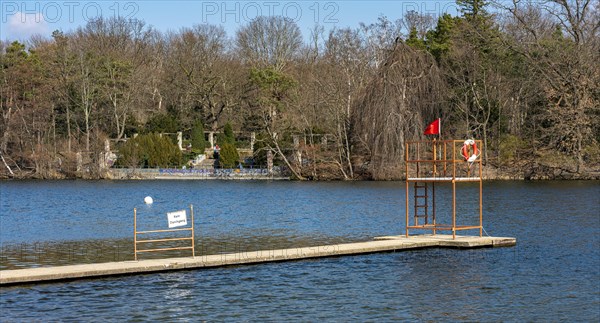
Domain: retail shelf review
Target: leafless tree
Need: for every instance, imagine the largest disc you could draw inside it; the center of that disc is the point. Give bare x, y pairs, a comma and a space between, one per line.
405, 91
197, 61
269, 41
421, 23
380, 37
346, 70
561, 44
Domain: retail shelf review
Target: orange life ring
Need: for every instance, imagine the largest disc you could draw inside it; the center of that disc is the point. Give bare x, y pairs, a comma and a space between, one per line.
465, 151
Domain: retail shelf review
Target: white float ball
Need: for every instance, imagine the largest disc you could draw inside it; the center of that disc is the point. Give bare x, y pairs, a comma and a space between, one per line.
148, 200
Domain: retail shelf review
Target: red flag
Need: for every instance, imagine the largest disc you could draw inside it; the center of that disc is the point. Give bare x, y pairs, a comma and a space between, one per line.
433, 128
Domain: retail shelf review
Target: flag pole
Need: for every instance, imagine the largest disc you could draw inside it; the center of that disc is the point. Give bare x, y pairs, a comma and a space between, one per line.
434, 153
440, 136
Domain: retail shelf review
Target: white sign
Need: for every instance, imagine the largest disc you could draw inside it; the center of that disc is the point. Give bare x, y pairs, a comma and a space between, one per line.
177, 218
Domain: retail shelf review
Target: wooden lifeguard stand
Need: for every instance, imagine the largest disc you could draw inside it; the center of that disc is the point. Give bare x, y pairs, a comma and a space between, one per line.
440, 161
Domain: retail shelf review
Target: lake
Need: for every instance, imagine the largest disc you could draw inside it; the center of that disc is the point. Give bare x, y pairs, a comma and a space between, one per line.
553, 274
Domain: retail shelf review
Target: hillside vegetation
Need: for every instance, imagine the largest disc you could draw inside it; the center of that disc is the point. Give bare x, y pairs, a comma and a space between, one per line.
523, 78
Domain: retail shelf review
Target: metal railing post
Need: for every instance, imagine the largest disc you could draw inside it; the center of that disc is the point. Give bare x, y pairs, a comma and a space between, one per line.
193, 235
135, 234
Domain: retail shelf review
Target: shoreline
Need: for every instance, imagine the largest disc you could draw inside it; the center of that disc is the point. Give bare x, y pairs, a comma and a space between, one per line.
540, 173
276, 178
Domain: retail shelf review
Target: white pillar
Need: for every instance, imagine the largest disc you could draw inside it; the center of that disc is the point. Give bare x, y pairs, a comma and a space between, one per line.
102, 161
79, 161
270, 162
297, 153
211, 139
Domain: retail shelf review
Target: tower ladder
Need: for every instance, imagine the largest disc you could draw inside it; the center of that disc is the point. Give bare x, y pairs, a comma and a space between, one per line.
421, 202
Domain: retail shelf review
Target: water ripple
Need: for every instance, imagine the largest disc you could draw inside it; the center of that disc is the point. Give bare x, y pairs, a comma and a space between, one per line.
551, 275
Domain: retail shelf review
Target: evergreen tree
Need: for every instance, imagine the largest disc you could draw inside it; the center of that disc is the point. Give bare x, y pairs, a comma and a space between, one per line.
473, 9
198, 141
260, 149
228, 136
151, 151
439, 41
414, 41
229, 156
162, 123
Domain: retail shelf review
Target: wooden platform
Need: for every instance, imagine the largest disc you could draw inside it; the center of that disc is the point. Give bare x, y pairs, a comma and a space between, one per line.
443, 179
379, 244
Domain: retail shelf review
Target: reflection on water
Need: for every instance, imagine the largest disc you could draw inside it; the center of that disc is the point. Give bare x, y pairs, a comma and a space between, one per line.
49, 223
59, 253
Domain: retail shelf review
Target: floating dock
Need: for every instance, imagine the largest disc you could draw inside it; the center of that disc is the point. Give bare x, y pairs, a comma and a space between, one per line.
379, 244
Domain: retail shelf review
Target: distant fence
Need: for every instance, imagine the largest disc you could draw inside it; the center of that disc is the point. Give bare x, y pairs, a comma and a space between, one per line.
202, 173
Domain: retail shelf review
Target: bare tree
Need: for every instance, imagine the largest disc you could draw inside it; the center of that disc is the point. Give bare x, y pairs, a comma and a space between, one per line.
86, 86
380, 37
421, 23
269, 41
346, 71
563, 49
406, 90
196, 61
121, 47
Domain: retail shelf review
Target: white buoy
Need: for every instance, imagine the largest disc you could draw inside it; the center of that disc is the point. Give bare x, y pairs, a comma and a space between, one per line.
148, 200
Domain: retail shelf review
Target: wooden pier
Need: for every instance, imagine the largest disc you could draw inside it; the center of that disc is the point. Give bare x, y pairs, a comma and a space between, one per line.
379, 244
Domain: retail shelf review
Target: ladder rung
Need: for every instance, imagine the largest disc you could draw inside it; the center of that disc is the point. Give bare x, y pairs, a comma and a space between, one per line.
421, 198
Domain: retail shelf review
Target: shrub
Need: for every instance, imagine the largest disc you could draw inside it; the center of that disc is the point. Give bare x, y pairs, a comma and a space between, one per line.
151, 151
591, 153
162, 123
260, 149
228, 136
509, 148
229, 156
198, 141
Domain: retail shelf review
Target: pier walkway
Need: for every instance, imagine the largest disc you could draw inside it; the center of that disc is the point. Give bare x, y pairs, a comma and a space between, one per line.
379, 244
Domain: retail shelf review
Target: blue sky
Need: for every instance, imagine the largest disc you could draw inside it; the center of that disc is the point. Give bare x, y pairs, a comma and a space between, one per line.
21, 19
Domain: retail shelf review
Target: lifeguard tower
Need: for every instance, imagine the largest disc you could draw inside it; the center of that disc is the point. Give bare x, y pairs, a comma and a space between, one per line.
454, 163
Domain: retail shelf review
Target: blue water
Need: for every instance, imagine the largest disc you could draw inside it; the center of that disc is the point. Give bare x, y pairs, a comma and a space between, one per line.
80, 210
553, 274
